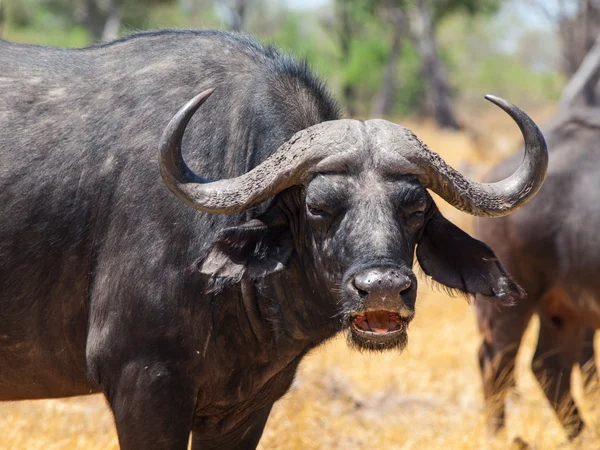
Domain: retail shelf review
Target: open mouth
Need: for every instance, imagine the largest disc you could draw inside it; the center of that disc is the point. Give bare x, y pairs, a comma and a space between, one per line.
378, 330
379, 323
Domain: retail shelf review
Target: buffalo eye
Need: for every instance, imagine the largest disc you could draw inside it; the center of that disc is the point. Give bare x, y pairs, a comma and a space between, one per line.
317, 212
415, 220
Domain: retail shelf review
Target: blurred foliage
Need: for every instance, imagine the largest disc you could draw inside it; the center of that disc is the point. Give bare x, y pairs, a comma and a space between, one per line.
471, 39
479, 64
444, 8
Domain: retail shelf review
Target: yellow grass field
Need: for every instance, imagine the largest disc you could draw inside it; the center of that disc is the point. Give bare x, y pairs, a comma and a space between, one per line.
428, 397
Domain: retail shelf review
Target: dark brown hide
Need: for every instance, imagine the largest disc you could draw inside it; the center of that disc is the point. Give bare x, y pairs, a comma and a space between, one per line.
552, 249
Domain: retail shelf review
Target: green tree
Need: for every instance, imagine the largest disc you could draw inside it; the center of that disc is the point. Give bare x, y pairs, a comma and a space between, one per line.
418, 20
2, 18
427, 15
577, 24
101, 18
233, 12
444, 8
395, 13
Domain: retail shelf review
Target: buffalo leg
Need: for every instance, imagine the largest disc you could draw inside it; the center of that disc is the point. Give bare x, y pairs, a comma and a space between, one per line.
587, 361
502, 330
557, 351
244, 437
153, 407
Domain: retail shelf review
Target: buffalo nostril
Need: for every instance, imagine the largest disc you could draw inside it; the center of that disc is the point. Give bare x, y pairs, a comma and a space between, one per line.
363, 285
381, 283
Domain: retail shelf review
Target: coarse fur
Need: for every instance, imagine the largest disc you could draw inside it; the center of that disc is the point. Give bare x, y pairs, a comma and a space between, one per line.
186, 321
552, 249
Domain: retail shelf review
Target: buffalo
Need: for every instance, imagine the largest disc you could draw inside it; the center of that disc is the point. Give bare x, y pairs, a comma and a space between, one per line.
191, 312
552, 250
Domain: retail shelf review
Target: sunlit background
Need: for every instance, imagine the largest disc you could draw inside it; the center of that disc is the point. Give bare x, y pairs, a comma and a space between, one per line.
425, 64
363, 48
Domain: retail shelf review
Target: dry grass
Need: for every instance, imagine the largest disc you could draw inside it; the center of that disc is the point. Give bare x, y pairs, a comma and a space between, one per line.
428, 397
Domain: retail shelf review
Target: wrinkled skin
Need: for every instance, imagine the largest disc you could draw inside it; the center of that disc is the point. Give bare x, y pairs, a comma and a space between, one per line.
552, 249
185, 321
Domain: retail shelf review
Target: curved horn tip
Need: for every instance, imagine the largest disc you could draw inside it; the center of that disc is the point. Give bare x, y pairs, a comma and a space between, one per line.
177, 124
195, 102
498, 101
172, 167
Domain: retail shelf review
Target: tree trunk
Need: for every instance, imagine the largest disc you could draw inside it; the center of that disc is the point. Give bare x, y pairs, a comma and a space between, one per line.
589, 90
102, 25
577, 29
385, 98
345, 36
112, 24
93, 19
584, 79
432, 67
2, 18
236, 13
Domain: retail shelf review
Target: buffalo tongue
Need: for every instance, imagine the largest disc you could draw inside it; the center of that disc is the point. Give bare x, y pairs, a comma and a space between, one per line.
379, 321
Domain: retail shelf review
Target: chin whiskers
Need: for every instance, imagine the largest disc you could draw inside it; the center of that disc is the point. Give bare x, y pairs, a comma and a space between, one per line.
399, 343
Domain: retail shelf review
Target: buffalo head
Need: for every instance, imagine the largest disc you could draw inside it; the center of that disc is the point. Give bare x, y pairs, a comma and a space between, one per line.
351, 203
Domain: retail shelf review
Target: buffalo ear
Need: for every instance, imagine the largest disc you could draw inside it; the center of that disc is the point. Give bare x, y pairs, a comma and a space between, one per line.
255, 248
456, 260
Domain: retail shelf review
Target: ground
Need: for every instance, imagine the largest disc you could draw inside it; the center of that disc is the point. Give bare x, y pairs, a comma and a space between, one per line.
428, 397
